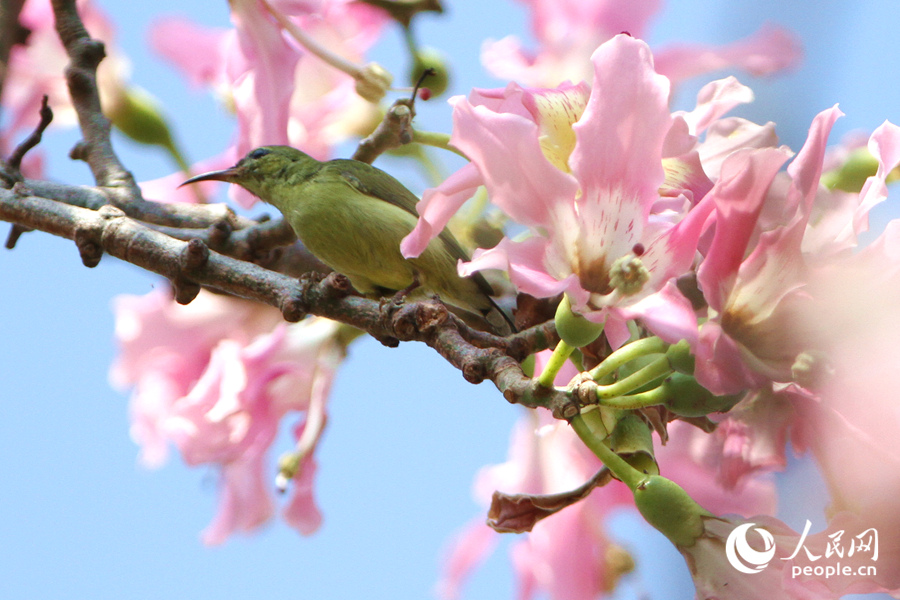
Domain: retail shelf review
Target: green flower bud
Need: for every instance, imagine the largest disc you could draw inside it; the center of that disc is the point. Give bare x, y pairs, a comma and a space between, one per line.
597, 422
631, 439
373, 82
573, 328
687, 398
138, 115
669, 509
680, 357
429, 58
851, 176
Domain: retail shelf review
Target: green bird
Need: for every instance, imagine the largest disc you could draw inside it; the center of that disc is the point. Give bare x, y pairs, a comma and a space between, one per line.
352, 216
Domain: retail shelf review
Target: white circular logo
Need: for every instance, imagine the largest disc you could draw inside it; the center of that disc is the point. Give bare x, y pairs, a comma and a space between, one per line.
744, 558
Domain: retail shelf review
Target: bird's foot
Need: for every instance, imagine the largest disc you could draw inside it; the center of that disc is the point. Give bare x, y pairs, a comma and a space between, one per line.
401, 295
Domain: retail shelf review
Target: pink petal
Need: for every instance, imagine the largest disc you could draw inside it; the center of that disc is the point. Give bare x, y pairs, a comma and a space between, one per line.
302, 513
884, 144
621, 134
714, 100
726, 136
437, 206
667, 314
524, 261
806, 168
468, 550
200, 61
505, 149
262, 74
245, 503
738, 194
720, 366
769, 50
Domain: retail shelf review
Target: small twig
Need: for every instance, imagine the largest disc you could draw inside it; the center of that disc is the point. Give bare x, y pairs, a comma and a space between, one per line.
46, 114
85, 55
15, 232
394, 131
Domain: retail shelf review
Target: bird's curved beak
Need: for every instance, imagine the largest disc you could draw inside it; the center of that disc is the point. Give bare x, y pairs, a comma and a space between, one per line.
229, 175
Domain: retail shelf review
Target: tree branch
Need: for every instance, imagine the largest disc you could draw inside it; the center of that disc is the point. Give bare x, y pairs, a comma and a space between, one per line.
191, 265
85, 55
394, 130
106, 219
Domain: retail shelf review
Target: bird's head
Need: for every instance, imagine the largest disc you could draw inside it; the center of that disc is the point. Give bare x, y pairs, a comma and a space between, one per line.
264, 169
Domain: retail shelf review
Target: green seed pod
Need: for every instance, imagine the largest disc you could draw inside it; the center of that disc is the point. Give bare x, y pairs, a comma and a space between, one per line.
573, 328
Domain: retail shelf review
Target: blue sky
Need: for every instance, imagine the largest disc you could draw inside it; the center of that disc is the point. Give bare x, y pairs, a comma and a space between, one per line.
79, 518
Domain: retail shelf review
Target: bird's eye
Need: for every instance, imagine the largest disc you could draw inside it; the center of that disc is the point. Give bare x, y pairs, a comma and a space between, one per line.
259, 153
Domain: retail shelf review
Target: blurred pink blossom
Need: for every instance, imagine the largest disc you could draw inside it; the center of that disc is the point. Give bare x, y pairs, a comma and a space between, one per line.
568, 31
37, 67
280, 93
215, 378
753, 280
851, 427
765, 246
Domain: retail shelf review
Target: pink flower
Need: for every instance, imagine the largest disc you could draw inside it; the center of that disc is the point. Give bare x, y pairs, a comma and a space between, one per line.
755, 272
215, 378
280, 93
694, 459
565, 555
586, 181
568, 31
851, 427
753, 279
37, 68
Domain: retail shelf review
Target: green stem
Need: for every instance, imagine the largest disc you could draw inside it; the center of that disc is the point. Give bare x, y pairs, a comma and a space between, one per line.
639, 378
438, 140
475, 207
653, 397
431, 168
559, 357
335, 60
625, 354
410, 40
615, 463
181, 162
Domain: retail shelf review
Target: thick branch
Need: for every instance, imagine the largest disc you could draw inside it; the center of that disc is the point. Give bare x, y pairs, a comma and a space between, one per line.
85, 55
158, 213
191, 265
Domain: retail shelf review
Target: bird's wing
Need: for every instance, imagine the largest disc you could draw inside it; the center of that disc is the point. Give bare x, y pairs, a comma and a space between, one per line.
385, 187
